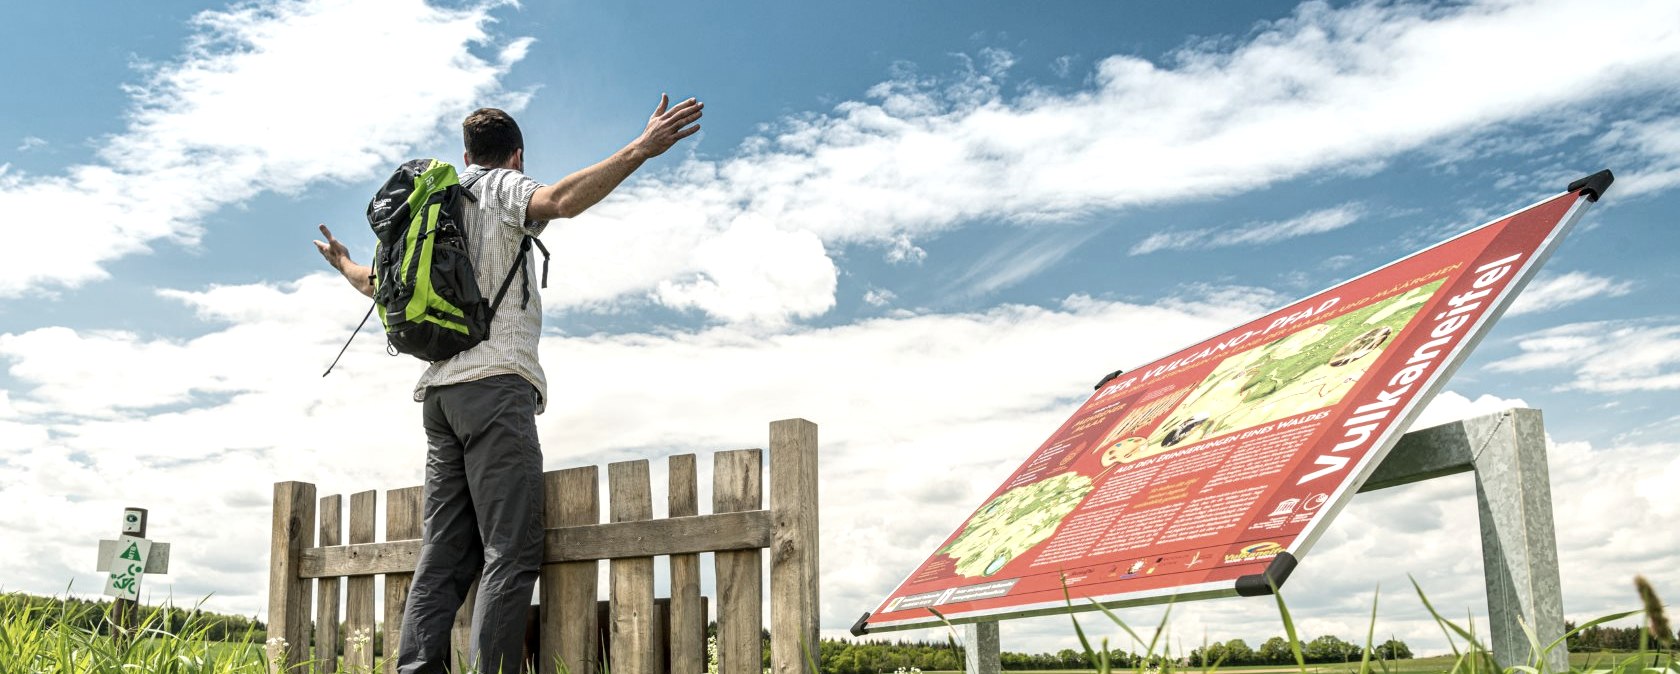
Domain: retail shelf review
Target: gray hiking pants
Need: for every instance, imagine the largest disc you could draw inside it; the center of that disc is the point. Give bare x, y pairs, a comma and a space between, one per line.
484, 507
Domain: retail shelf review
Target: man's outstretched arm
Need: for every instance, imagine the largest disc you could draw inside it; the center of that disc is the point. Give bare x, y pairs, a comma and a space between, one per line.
359, 276
577, 192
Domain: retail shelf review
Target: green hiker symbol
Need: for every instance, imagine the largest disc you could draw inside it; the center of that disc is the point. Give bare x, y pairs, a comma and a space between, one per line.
133, 552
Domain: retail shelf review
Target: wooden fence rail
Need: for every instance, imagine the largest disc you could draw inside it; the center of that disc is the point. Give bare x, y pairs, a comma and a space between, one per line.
735, 534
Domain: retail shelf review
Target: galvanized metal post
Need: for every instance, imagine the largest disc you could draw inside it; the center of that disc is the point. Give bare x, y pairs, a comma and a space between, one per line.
982, 654
1507, 452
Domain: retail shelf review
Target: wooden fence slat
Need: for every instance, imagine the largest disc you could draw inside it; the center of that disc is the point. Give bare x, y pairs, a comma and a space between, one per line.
686, 623
572, 497
327, 594
402, 522
793, 550
630, 498
737, 484
358, 601
681, 535
293, 529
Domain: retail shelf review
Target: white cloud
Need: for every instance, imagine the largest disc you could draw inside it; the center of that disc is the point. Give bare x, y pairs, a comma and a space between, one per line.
243, 111
1011, 263
879, 297
1255, 233
1603, 356
1652, 148
204, 425
1326, 89
919, 414
752, 265
1554, 292
31, 143
901, 250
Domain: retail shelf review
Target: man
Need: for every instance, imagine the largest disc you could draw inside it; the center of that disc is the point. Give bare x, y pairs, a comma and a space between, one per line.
484, 486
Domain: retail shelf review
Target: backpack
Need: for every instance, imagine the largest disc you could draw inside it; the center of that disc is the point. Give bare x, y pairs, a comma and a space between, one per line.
423, 278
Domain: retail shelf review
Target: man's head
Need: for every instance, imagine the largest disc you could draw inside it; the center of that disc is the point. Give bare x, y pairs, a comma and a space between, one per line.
492, 140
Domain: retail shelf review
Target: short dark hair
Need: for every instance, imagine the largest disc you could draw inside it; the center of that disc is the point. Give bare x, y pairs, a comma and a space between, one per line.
491, 136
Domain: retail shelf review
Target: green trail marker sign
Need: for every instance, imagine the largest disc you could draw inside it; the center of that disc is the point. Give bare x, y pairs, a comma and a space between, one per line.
130, 557
127, 567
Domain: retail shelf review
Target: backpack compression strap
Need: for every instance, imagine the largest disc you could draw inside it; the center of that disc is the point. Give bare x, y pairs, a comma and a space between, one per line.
519, 266
518, 261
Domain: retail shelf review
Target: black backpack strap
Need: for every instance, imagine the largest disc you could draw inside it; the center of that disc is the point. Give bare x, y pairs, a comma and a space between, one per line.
525, 282
352, 338
518, 265
467, 179
525, 279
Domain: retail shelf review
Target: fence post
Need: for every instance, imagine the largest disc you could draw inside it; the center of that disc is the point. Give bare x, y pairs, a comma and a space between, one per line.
687, 623
569, 625
630, 497
793, 546
358, 600
293, 530
402, 522
327, 589
737, 485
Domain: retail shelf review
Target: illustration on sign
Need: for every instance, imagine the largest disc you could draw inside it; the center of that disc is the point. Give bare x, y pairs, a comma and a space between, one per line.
127, 567
1185, 476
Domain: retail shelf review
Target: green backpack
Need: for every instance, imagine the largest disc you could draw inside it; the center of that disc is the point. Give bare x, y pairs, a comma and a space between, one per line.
423, 279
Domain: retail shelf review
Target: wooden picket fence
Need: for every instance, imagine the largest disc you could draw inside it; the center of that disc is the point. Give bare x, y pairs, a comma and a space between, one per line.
576, 540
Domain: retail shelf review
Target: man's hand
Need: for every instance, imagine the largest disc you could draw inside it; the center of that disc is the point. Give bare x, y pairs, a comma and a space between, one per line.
575, 193
667, 126
333, 250
337, 255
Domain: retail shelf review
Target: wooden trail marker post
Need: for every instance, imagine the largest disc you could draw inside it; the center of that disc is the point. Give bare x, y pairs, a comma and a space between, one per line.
128, 559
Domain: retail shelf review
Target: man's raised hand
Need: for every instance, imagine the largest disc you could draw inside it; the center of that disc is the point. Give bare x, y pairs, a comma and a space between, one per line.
332, 249
668, 125
360, 277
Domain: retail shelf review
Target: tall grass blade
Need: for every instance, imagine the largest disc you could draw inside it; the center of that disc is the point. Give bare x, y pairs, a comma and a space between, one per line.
1084, 643
1440, 621
1370, 634
1289, 630
1116, 619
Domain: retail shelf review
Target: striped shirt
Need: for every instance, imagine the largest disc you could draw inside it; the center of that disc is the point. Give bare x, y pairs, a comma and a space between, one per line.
494, 227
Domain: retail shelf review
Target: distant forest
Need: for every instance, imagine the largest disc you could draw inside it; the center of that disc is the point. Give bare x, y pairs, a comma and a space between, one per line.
842, 656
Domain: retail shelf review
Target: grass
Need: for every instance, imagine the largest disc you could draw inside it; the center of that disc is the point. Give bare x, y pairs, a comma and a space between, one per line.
39, 640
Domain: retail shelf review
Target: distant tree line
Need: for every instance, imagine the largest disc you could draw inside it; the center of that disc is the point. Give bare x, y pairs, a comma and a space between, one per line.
840, 656
1604, 638
1276, 651
93, 616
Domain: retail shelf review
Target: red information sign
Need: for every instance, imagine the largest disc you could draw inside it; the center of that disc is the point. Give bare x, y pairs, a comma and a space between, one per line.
1208, 472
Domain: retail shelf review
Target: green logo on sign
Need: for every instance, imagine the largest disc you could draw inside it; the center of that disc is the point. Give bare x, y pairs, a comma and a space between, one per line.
133, 552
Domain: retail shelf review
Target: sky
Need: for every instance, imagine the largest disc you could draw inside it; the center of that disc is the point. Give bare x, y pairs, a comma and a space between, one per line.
928, 227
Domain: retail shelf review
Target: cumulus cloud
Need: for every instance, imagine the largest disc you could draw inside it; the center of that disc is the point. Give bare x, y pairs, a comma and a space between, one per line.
31, 143
212, 421
1253, 234
240, 112
919, 414
1323, 90
1561, 290
879, 297
1603, 356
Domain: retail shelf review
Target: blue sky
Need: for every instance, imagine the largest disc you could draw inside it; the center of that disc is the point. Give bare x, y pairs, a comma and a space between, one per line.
927, 227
